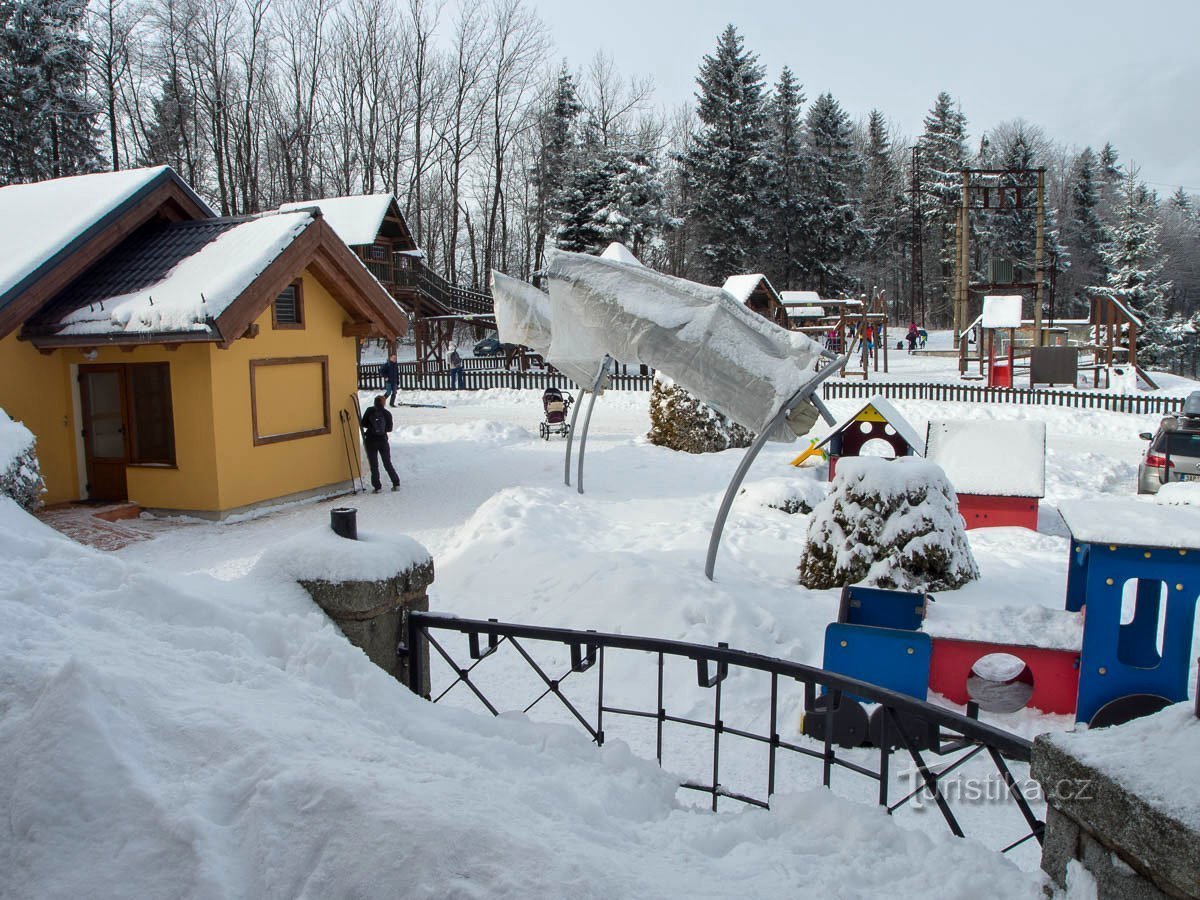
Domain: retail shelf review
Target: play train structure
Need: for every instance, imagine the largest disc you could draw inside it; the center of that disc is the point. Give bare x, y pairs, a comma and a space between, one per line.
1120, 647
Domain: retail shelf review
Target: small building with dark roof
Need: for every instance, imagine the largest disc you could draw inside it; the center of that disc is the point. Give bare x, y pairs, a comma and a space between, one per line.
178, 360
877, 421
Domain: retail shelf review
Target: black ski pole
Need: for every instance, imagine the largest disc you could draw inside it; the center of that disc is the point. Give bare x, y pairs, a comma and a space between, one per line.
343, 416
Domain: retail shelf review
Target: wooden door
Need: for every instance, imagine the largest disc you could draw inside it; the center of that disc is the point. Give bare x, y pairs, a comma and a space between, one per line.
105, 430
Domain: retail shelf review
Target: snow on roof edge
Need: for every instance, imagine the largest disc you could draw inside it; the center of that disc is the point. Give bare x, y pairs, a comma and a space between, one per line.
990, 458
894, 418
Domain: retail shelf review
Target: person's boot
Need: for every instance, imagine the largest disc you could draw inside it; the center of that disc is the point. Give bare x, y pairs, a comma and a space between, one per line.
395, 487
376, 490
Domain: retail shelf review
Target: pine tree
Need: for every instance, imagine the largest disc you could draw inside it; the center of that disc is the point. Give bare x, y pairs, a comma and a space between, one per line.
725, 166
557, 134
785, 201
941, 157
833, 230
48, 126
1084, 229
1134, 258
882, 202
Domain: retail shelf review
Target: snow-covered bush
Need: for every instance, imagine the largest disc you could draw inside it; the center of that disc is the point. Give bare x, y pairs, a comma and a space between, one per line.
20, 476
681, 422
890, 523
800, 494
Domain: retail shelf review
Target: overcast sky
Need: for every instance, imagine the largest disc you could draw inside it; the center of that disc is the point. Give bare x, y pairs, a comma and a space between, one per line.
1086, 72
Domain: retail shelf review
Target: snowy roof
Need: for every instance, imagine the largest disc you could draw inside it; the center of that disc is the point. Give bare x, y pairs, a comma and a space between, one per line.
1131, 523
998, 459
797, 297
742, 286
39, 222
1129, 313
356, 220
805, 312
1002, 311
199, 286
893, 417
618, 252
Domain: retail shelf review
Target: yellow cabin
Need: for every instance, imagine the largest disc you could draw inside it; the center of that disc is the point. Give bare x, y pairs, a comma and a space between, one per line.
178, 360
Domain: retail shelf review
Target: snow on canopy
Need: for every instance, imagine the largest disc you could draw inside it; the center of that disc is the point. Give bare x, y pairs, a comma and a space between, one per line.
356, 220
807, 298
742, 286
183, 736
200, 287
731, 358
1002, 311
805, 312
894, 418
618, 252
1132, 523
998, 459
523, 317
38, 221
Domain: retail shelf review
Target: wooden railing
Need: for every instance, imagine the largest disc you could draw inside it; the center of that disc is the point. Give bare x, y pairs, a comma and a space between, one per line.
369, 379
973, 393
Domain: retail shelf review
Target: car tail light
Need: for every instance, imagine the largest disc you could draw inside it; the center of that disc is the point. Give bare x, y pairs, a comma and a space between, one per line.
1158, 461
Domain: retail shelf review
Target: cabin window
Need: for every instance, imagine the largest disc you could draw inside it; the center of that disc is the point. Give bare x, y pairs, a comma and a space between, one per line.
379, 252
288, 309
151, 419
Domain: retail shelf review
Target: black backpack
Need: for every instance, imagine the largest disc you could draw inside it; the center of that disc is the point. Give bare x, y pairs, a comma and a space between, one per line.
377, 422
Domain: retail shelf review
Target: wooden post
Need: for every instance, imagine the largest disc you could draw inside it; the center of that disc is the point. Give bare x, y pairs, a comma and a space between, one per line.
1038, 261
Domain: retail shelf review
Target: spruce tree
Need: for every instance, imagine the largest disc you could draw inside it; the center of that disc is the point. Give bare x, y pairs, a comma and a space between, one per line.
785, 188
725, 166
882, 202
558, 152
833, 230
1084, 230
941, 155
48, 126
1134, 258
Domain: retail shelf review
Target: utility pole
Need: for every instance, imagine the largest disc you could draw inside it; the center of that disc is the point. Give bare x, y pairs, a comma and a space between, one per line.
962, 281
916, 295
1038, 262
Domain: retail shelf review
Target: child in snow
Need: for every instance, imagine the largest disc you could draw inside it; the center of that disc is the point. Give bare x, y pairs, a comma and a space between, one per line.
912, 335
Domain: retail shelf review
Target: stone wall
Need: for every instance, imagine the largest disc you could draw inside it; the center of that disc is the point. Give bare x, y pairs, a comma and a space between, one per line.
1131, 847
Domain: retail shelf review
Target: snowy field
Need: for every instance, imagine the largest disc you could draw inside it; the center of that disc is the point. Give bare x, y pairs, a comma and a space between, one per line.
222, 739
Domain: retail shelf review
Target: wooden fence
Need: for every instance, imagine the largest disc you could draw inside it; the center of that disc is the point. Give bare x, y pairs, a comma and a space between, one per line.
476, 379
973, 393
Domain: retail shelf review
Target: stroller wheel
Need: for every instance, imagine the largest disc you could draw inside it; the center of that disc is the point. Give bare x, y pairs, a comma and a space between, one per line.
544, 431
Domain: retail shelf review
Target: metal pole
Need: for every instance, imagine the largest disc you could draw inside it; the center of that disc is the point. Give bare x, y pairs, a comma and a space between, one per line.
1038, 263
571, 439
807, 391
587, 420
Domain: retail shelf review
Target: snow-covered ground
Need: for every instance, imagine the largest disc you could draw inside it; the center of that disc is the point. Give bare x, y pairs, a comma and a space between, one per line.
176, 719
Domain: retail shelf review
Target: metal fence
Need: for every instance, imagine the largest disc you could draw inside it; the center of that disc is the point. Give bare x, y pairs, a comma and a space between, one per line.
478, 377
972, 393
906, 726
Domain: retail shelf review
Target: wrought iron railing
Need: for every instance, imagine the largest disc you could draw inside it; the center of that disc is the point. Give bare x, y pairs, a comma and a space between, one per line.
973, 393
906, 725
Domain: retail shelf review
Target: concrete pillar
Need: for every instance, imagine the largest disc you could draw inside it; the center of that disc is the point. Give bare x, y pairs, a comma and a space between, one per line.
373, 614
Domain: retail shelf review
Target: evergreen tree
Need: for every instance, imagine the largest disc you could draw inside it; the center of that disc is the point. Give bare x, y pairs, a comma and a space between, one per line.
558, 146
725, 165
882, 202
785, 202
941, 157
1134, 258
48, 126
1085, 230
833, 229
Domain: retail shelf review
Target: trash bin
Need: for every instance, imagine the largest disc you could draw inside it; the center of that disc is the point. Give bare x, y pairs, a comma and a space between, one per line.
344, 522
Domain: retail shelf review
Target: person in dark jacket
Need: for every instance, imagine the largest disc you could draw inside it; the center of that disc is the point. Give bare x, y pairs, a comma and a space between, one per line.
376, 426
390, 371
458, 381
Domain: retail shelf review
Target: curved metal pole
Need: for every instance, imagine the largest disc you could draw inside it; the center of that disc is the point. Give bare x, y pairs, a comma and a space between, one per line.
804, 393
571, 439
587, 420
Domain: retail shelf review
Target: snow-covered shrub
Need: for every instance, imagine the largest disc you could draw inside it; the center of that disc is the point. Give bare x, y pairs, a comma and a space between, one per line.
681, 422
800, 494
890, 523
20, 475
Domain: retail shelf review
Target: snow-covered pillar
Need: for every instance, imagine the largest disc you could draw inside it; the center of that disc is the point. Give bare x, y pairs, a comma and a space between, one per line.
373, 614
367, 587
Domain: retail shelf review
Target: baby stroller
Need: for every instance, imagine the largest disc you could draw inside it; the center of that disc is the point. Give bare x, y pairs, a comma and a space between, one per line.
556, 403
